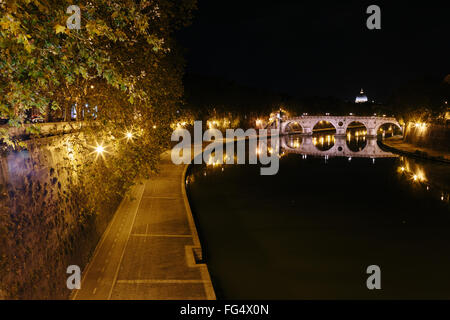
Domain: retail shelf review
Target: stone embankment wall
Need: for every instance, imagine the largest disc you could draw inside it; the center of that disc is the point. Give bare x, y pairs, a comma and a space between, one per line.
436, 137
52, 214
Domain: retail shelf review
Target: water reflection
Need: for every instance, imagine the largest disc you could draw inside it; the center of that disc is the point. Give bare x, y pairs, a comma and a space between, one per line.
426, 176
323, 142
356, 145
388, 130
294, 141
310, 231
356, 139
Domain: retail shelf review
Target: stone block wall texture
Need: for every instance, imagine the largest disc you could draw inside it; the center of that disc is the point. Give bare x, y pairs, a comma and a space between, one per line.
436, 137
47, 220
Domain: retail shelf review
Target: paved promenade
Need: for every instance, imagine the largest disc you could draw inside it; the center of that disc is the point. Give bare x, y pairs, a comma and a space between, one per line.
150, 248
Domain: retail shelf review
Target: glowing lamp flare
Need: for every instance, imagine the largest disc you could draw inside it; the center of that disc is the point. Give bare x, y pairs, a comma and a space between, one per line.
99, 149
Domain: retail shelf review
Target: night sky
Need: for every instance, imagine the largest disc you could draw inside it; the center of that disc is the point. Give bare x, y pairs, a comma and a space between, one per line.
306, 48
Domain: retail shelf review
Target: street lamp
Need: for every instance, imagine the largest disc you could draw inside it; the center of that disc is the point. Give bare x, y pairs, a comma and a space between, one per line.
99, 149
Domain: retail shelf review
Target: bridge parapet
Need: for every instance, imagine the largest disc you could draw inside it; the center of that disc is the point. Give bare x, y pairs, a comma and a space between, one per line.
340, 123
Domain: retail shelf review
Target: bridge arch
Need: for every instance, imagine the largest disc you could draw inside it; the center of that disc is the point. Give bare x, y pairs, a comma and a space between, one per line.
318, 123
382, 123
356, 121
293, 127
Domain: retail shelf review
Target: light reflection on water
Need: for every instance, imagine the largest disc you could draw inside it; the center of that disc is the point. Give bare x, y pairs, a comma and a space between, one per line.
353, 144
432, 178
412, 170
310, 231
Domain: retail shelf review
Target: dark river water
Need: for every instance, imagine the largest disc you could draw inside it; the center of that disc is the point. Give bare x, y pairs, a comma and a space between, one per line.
311, 231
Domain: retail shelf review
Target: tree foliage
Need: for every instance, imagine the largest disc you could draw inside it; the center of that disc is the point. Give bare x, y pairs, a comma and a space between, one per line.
121, 47
119, 69
422, 100
123, 72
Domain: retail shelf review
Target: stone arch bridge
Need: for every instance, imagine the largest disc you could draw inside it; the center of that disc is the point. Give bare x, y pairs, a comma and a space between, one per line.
340, 123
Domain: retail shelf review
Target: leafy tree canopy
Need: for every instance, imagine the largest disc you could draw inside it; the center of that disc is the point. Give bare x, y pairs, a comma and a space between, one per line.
122, 47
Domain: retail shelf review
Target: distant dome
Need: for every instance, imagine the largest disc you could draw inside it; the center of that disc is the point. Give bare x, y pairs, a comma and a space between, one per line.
361, 98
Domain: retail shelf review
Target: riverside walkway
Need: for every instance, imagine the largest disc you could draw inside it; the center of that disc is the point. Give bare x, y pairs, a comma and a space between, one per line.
151, 246
397, 144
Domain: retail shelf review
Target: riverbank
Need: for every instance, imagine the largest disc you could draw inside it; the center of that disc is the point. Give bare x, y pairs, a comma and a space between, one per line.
398, 145
151, 249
